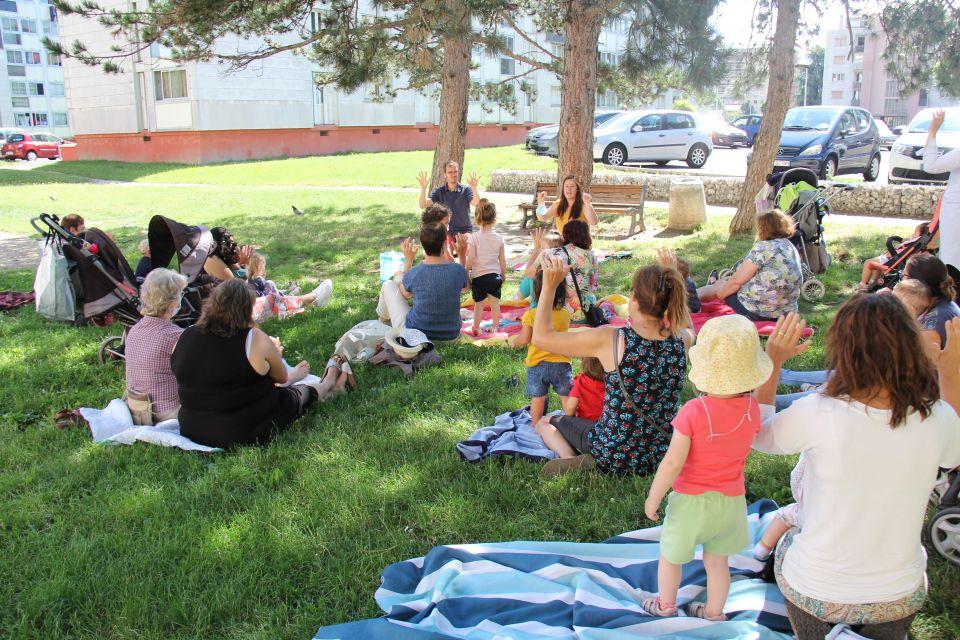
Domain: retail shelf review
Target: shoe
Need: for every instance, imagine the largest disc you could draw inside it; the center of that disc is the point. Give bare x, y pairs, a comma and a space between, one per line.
293, 289
713, 277
699, 610
558, 466
324, 292
654, 607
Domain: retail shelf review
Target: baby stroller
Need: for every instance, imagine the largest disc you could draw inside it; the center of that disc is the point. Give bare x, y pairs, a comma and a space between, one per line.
103, 283
944, 528
899, 251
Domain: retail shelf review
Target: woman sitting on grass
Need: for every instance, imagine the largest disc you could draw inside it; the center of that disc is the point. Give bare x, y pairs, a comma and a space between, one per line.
872, 441
576, 252
233, 384
644, 367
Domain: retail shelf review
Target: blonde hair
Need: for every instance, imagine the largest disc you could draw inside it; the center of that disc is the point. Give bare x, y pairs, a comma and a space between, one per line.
160, 290
914, 293
661, 292
553, 239
485, 214
257, 266
144, 246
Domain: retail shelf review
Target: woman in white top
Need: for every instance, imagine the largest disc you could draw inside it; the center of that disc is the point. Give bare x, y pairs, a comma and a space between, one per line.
872, 439
933, 162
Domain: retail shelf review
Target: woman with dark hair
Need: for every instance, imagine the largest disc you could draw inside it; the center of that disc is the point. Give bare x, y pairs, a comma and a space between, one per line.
227, 258
930, 270
573, 204
872, 440
766, 285
233, 385
576, 252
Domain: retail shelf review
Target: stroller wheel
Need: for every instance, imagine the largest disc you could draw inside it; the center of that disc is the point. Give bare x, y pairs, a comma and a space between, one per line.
111, 349
813, 290
725, 274
944, 533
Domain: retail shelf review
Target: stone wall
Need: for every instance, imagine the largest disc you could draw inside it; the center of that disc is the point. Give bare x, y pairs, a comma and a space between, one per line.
867, 199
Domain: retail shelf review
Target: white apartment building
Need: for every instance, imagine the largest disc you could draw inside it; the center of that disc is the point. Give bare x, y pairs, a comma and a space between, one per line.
31, 79
755, 96
158, 110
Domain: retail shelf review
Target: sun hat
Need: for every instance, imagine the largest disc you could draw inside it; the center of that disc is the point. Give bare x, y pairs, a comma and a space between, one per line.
407, 343
728, 358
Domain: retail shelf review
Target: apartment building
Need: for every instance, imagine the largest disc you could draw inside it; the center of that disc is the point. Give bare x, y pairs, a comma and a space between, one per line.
197, 112
728, 96
856, 75
31, 79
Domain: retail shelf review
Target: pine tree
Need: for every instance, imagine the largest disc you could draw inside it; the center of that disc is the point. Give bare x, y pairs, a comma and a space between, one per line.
923, 44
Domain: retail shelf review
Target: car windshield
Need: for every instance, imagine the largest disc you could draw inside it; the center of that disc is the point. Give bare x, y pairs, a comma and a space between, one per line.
810, 119
16, 137
622, 120
740, 122
883, 128
921, 122
600, 118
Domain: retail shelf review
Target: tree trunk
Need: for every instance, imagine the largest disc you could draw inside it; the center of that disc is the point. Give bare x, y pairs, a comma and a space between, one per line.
779, 92
579, 91
454, 90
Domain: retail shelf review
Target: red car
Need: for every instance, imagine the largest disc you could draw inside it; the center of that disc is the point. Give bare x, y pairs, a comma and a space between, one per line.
30, 146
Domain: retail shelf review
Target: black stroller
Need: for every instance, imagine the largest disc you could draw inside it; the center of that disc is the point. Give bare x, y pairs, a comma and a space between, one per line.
899, 251
103, 283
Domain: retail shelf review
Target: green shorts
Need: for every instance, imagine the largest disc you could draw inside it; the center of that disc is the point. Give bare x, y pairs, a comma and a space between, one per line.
712, 519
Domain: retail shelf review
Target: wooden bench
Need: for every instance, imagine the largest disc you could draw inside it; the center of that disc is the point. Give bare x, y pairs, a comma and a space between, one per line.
608, 199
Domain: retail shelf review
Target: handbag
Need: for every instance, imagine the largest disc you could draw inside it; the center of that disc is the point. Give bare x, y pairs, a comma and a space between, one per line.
54, 299
592, 314
626, 394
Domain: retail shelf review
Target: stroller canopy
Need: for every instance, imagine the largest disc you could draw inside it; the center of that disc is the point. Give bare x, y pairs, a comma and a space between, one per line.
105, 277
191, 244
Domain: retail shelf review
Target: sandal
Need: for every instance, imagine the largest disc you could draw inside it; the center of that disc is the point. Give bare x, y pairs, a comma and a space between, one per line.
68, 418
713, 277
654, 607
558, 466
699, 610
335, 362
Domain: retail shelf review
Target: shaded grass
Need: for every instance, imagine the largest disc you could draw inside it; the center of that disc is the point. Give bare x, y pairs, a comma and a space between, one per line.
273, 542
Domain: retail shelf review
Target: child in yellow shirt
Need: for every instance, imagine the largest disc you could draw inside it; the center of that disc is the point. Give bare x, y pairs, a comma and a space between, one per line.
545, 369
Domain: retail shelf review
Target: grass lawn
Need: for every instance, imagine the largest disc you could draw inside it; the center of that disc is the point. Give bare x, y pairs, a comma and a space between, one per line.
394, 169
151, 543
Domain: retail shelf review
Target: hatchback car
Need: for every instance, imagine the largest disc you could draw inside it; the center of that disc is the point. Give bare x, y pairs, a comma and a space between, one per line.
830, 141
30, 146
906, 157
724, 134
543, 140
749, 124
653, 136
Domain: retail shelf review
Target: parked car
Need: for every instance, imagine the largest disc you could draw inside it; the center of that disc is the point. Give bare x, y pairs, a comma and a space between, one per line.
830, 141
5, 133
658, 136
30, 146
887, 137
906, 156
749, 124
724, 134
543, 140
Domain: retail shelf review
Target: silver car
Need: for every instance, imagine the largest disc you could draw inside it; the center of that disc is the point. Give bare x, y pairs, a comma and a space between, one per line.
906, 157
543, 140
653, 136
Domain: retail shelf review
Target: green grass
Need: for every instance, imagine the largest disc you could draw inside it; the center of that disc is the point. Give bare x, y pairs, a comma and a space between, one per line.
394, 169
263, 543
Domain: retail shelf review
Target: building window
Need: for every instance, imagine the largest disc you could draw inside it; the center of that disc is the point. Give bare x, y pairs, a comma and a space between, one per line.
377, 93
20, 103
59, 119
316, 20
53, 59
32, 57
18, 88
557, 50
22, 119
12, 38
555, 96
861, 41
8, 5
859, 77
837, 77
10, 24
53, 13
839, 59
17, 71
36, 88
14, 57
893, 89
168, 85
49, 28
836, 95
56, 89
28, 26
507, 66
38, 120
894, 107
923, 98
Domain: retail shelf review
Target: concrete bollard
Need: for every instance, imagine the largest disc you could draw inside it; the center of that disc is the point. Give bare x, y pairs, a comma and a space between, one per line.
688, 205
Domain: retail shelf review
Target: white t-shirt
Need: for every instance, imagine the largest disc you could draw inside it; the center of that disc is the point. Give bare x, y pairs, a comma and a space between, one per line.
949, 162
487, 246
865, 493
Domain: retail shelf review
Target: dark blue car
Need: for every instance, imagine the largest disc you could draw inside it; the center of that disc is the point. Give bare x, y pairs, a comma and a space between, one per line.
750, 124
830, 141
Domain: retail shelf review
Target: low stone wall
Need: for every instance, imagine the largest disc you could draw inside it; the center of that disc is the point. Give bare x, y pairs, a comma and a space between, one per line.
868, 199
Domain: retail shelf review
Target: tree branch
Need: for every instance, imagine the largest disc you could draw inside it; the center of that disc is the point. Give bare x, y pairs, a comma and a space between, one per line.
509, 19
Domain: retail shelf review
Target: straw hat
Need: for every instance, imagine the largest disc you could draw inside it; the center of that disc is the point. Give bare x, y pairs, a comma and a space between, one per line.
727, 358
407, 343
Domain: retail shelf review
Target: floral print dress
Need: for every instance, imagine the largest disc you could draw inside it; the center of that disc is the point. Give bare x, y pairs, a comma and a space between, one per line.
585, 268
653, 371
774, 290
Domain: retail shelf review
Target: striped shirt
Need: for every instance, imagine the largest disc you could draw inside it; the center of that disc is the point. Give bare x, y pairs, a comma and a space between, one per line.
149, 345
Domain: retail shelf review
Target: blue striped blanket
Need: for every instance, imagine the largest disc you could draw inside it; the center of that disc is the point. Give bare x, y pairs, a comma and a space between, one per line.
562, 590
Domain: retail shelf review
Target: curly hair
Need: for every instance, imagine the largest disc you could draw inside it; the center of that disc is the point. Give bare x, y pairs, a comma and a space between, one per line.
225, 247
577, 233
228, 310
160, 290
436, 212
874, 346
774, 224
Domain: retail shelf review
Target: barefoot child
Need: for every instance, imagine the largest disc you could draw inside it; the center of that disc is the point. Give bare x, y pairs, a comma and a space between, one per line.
545, 369
873, 268
712, 435
271, 302
487, 265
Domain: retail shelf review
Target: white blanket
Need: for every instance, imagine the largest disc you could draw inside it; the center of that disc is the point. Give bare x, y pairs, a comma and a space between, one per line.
114, 425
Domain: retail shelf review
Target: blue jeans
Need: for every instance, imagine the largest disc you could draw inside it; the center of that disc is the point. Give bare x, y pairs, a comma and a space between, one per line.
544, 375
788, 376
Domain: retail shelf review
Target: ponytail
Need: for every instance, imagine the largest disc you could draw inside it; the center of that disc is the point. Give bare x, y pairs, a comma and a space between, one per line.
662, 293
485, 213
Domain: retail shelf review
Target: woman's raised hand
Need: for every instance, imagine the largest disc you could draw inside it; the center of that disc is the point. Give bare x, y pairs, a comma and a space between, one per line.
587, 198
937, 122
667, 258
243, 256
409, 250
784, 343
537, 235
541, 197
555, 271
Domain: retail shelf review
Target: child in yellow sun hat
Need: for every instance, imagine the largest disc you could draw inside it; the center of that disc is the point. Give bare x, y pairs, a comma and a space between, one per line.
711, 438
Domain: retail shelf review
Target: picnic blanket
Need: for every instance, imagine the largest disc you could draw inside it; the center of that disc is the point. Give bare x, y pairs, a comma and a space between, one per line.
114, 425
511, 434
563, 590
717, 308
14, 299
